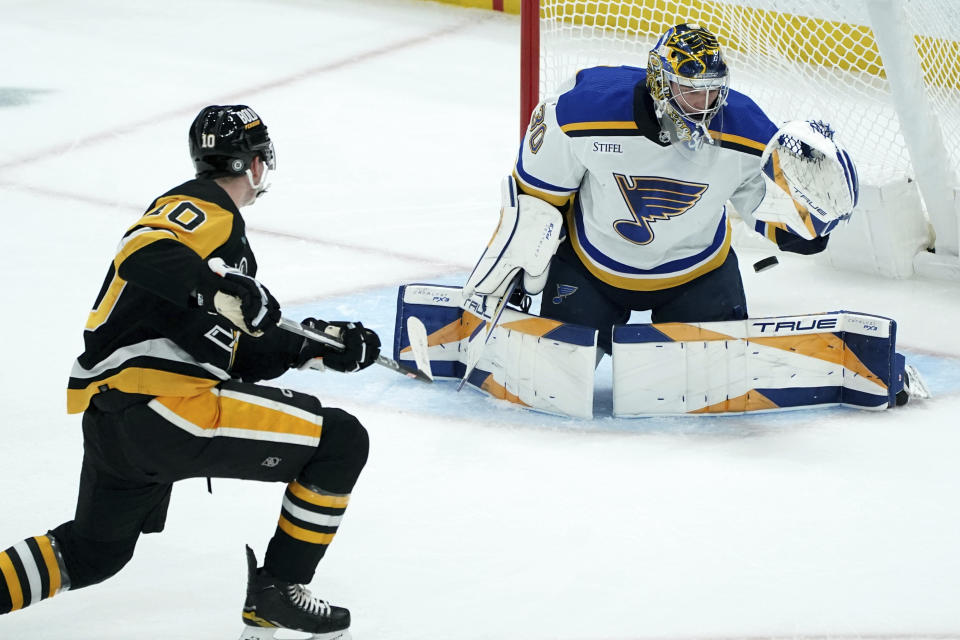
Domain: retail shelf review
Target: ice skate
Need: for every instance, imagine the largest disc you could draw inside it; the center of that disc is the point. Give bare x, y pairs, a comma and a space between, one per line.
273, 605
914, 386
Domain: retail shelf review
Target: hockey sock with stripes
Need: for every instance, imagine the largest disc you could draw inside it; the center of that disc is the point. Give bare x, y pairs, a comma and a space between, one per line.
30, 571
308, 522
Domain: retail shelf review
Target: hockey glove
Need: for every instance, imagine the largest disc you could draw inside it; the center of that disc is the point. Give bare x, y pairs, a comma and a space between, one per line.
246, 303
361, 346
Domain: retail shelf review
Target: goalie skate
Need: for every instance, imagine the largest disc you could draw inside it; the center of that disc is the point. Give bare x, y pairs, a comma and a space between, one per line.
273, 605
914, 386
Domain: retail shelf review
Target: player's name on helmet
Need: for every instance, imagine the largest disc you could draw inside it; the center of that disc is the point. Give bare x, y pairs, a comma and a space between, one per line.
247, 116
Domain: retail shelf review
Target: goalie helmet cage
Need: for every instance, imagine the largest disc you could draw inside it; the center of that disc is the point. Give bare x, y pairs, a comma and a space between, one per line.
884, 73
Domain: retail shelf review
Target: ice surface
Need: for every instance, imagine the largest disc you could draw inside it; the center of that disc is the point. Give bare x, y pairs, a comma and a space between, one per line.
394, 122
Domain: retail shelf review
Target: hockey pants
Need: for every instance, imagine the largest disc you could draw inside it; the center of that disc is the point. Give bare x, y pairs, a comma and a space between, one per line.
573, 294
136, 447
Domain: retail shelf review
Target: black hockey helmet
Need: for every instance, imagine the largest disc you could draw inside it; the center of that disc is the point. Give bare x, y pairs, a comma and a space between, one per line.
224, 140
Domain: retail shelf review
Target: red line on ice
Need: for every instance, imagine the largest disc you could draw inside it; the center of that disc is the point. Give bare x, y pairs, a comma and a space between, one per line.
192, 109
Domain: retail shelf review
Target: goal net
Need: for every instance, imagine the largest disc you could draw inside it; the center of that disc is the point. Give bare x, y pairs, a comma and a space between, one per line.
884, 73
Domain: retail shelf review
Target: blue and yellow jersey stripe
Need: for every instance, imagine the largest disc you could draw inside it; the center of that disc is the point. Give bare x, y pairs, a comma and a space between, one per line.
603, 128
556, 195
602, 100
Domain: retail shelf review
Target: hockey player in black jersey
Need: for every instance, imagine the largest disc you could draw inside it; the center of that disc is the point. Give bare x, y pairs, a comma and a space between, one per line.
167, 388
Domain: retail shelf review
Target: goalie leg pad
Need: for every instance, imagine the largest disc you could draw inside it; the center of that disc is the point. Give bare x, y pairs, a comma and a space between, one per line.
540, 364
760, 364
526, 238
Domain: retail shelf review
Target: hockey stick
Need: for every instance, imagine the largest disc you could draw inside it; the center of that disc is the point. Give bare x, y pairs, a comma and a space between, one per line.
473, 357
295, 327
417, 333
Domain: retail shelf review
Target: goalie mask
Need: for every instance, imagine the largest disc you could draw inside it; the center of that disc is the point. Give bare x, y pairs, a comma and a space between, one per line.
224, 140
688, 81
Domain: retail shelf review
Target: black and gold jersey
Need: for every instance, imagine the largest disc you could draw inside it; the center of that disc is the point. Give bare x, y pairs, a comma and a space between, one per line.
146, 334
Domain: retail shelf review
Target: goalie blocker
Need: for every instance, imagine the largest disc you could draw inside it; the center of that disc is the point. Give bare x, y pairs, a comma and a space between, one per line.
743, 366
526, 238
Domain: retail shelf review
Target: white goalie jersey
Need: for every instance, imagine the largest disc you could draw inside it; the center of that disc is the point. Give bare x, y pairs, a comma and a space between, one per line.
645, 215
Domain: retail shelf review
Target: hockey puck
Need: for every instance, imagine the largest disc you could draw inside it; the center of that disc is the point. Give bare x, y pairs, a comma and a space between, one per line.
766, 263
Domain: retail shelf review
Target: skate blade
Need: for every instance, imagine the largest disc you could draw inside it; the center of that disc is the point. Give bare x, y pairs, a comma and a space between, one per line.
918, 386
270, 633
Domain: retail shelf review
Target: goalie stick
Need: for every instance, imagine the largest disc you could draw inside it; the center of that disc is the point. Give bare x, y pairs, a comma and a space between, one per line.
417, 334
473, 355
295, 327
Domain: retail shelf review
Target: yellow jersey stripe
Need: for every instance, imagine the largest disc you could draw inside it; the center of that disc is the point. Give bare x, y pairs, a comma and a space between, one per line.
557, 200
139, 241
211, 411
305, 535
241, 414
50, 559
608, 124
13, 582
648, 284
319, 499
154, 382
746, 142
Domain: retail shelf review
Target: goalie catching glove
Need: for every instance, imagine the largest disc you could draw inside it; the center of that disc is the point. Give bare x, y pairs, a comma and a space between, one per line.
242, 300
361, 347
526, 239
816, 172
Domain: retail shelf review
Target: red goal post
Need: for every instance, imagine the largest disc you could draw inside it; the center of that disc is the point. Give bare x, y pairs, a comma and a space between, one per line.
884, 73
529, 59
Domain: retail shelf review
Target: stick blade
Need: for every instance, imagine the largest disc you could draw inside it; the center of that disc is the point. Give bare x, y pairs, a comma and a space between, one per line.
417, 334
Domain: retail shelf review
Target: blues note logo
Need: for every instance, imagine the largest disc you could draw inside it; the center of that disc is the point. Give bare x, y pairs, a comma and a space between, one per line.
563, 290
651, 199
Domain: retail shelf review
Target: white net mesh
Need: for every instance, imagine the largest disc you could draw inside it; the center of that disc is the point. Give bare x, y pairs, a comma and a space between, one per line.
799, 59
